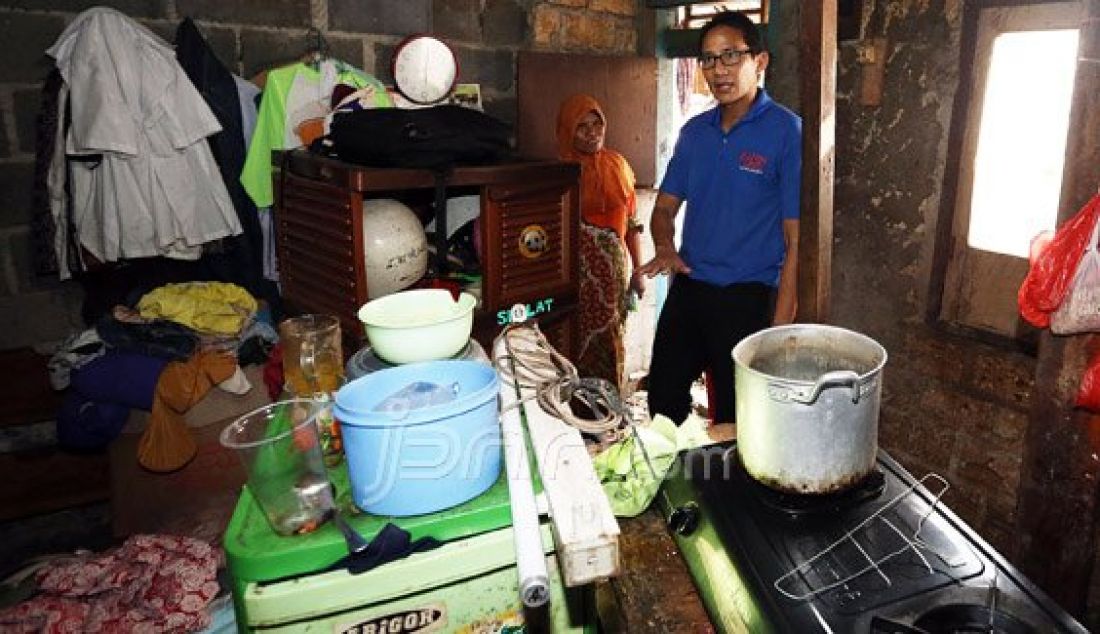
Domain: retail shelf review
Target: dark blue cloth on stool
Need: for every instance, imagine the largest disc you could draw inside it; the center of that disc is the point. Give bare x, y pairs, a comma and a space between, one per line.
390, 544
101, 395
125, 378
86, 424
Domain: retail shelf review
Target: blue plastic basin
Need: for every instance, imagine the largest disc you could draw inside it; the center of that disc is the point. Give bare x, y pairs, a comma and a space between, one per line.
423, 460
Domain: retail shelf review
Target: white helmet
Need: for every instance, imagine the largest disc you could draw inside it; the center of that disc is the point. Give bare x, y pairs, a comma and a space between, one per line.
395, 248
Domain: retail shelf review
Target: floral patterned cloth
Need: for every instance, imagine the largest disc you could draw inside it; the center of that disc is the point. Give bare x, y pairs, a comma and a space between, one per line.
152, 583
605, 274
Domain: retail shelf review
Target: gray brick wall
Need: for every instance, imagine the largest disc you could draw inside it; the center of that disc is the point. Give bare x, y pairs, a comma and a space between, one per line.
26, 104
15, 193
493, 69
26, 36
273, 13
488, 22
248, 36
383, 52
504, 23
457, 19
6, 146
135, 8
39, 317
388, 17
263, 48
224, 42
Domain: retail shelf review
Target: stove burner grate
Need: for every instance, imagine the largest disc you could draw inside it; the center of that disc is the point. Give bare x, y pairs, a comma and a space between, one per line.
956, 618
961, 618
860, 539
796, 505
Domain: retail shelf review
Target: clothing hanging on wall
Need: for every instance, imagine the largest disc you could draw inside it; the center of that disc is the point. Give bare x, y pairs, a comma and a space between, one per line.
43, 229
241, 260
151, 186
248, 95
295, 101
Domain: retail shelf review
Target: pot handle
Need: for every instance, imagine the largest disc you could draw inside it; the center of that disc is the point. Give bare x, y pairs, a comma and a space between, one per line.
827, 380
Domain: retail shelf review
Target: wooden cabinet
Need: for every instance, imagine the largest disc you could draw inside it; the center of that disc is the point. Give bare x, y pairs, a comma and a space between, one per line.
530, 216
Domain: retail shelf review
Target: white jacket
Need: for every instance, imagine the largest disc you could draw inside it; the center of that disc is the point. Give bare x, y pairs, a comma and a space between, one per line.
157, 189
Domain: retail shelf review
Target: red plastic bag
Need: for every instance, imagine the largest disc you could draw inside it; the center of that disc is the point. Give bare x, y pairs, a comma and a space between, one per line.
1088, 393
1050, 274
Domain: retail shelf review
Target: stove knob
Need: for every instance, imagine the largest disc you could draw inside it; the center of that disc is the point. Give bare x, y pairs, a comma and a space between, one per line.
684, 519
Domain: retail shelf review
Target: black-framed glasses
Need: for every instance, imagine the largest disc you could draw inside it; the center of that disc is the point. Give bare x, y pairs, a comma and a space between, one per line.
729, 57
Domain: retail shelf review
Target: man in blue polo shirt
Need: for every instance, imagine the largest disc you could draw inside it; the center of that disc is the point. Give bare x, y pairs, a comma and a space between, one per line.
738, 167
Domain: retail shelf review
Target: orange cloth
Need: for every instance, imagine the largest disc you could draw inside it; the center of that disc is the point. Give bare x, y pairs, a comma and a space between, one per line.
167, 444
607, 182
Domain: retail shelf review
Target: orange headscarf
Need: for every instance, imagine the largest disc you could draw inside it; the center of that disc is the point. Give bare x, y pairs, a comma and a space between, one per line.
607, 182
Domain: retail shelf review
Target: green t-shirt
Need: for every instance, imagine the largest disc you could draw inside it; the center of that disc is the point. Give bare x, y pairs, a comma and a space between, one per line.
292, 95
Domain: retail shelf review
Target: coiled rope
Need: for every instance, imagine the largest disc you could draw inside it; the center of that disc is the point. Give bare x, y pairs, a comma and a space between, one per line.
531, 362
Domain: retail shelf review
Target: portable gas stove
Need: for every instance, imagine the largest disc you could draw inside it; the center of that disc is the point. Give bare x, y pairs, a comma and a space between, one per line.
885, 556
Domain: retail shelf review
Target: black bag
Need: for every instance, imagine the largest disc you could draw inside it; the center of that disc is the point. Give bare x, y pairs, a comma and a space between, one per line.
434, 138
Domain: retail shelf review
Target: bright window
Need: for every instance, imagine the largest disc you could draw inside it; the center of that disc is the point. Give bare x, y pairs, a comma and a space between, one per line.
1022, 139
696, 14
1010, 143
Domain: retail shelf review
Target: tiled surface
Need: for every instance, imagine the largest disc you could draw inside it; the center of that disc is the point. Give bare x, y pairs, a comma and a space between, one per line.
47, 479
41, 478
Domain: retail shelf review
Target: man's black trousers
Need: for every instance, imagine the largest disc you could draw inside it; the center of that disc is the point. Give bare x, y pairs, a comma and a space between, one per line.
699, 325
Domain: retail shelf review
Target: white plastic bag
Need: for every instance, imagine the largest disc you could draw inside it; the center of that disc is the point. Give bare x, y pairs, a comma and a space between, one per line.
1080, 310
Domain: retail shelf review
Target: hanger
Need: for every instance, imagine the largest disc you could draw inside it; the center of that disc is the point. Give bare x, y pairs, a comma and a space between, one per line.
318, 48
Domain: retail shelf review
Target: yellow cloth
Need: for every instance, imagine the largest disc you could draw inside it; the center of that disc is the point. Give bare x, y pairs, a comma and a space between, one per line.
214, 308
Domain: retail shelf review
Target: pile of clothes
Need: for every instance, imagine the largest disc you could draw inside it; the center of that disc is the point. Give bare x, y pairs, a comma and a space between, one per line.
162, 355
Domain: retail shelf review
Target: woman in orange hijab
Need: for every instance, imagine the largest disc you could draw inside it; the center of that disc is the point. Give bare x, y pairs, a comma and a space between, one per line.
609, 237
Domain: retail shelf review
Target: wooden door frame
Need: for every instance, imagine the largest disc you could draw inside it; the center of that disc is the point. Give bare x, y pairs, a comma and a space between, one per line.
818, 52
1058, 500
967, 94
965, 291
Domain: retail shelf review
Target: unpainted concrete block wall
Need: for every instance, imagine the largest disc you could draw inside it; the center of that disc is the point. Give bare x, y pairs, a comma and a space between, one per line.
249, 36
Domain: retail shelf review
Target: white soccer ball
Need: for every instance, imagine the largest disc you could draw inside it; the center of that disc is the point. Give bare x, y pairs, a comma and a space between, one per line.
395, 247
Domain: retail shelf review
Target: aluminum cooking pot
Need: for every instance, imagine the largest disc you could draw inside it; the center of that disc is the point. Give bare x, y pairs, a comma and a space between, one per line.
807, 406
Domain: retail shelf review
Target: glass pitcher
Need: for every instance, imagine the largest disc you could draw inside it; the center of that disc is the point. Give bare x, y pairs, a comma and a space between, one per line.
313, 367
313, 361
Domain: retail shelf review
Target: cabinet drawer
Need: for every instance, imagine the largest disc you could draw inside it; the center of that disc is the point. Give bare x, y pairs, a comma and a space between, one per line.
320, 249
530, 233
